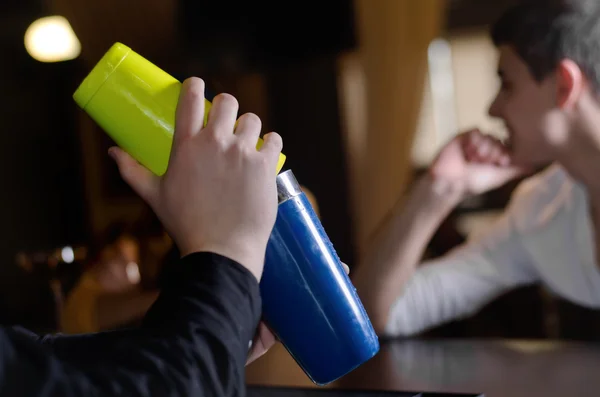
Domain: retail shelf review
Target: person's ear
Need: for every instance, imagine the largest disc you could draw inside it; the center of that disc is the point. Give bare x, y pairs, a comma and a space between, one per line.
570, 83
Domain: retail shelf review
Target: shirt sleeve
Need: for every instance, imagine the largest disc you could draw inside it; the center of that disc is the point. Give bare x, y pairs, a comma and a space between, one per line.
193, 341
459, 284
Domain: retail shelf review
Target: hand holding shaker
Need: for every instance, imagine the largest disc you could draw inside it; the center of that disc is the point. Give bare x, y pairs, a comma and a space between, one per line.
308, 300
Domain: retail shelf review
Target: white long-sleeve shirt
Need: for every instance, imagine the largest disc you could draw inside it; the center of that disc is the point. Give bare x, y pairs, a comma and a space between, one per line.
545, 235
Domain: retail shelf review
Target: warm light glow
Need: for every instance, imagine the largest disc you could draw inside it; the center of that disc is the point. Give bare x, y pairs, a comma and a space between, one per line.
51, 39
133, 273
67, 254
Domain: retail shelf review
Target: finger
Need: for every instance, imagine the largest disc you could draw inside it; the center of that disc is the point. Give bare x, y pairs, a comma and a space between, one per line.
495, 154
504, 160
248, 129
498, 151
262, 342
484, 148
499, 154
470, 151
504, 147
189, 116
272, 147
475, 136
141, 180
465, 137
222, 115
346, 268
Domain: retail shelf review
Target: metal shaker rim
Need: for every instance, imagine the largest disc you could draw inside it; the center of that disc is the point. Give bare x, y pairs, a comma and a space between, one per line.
287, 186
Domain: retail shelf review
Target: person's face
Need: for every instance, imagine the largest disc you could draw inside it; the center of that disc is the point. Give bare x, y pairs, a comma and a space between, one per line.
528, 109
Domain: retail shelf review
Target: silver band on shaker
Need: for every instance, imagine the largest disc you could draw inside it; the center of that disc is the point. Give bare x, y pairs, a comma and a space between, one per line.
287, 186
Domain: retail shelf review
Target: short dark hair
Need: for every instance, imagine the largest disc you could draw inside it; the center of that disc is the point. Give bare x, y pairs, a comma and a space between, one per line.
545, 32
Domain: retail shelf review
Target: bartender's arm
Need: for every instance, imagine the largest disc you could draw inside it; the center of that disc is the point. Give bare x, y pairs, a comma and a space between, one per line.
218, 202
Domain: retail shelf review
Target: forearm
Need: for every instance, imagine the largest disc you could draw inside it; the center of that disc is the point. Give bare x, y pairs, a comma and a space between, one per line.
213, 305
399, 245
194, 339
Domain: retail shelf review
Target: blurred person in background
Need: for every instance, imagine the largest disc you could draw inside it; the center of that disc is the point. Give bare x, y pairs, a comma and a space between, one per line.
109, 294
549, 100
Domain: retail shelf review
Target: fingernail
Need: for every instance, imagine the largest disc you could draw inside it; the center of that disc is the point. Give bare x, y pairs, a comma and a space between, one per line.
111, 153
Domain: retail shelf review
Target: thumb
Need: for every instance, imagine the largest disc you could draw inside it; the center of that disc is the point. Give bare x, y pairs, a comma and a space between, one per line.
263, 341
141, 180
512, 172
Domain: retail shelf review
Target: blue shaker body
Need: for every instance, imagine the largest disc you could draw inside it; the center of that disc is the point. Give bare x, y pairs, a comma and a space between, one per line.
308, 299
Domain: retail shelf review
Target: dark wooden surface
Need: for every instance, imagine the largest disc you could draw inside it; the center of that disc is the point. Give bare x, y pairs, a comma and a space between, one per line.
516, 368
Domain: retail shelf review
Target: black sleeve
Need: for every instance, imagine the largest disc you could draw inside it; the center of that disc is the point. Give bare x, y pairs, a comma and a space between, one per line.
193, 342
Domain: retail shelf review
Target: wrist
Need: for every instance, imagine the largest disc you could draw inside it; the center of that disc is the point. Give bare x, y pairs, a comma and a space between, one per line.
439, 194
429, 202
246, 255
